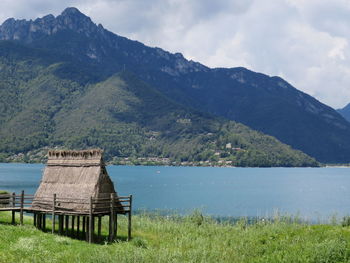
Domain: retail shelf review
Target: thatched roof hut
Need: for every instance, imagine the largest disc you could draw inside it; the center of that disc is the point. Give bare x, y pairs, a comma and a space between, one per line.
75, 176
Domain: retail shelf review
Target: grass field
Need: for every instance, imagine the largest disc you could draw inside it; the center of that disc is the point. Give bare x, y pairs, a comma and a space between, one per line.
183, 239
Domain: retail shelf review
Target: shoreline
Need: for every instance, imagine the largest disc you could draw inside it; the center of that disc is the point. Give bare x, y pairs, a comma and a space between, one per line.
198, 166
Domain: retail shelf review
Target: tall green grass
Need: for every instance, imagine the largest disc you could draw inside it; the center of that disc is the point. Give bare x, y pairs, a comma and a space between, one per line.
192, 238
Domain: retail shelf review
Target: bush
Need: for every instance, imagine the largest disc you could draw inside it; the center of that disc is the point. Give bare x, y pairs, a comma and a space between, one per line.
196, 217
346, 221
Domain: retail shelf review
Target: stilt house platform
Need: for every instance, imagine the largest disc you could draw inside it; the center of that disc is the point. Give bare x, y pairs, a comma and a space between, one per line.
76, 192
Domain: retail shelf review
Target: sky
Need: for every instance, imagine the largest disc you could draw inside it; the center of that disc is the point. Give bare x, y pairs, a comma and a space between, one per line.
306, 42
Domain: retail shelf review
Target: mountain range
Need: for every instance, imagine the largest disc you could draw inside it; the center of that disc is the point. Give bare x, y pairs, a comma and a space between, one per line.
345, 112
66, 81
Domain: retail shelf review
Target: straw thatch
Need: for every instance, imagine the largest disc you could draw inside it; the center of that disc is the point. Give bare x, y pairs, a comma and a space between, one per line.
74, 176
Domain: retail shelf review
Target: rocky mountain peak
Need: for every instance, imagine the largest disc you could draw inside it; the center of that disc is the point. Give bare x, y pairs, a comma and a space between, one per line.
69, 11
73, 19
27, 31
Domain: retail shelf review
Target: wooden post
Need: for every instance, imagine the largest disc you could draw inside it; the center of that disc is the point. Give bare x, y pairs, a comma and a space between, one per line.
53, 213
93, 228
129, 219
67, 225
116, 226
91, 221
34, 219
44, 222
84, 227
112, 218
38, 218
13, 221
78, 226
73, 221
87, 228
60, 224
99, 226
22, 205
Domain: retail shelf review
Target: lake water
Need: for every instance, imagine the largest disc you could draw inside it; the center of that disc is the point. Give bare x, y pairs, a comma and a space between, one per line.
313, 193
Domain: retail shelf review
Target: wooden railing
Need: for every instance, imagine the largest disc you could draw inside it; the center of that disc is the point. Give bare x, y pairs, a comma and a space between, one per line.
120, 204
16, 201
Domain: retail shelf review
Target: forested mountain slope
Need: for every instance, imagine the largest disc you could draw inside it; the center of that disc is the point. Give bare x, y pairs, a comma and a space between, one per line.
52, 101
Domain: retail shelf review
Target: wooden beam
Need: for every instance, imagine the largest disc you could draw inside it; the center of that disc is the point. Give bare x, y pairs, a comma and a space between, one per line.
91, 221
129, 219
87, 228
116, 226
34, 219
84, 227
99, 226
78, 226
112, 219
53, 213
67, 225
13, 221
44, 222
38, 220
73, 222
21, 210
60, 224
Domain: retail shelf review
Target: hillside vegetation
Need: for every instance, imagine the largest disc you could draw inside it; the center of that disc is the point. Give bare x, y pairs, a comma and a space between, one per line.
183, 239
47, 101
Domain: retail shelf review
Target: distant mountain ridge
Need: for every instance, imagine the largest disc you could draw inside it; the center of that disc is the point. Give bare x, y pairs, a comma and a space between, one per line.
267, 104
345, 112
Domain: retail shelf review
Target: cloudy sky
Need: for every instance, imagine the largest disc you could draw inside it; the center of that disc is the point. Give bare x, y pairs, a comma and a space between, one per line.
304, 41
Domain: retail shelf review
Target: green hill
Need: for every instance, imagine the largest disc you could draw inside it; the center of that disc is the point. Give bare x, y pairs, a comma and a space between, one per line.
52, 101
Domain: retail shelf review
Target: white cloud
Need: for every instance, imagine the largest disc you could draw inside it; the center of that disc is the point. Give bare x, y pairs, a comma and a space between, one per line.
304, 41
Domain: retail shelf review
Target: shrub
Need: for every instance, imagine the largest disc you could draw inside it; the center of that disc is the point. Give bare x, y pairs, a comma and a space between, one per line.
346, 221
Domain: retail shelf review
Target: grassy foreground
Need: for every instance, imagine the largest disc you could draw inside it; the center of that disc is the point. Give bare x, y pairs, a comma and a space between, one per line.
183, 239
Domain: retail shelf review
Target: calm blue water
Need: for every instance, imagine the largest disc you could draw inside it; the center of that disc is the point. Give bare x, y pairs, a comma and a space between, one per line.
313, 193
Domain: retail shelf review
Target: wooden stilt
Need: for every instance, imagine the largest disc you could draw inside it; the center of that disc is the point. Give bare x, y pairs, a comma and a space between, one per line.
34, 219
44, 222
78, 226
129, 219
73, 222
21, 210
67, 225
112, 218
99, 226
13, 221
53, 213
116, 226
84, 227
38, 220
91, 222
87, 228
93, 228
60, 224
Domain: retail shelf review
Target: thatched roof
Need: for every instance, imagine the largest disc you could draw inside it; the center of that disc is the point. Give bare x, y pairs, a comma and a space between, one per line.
76, 175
